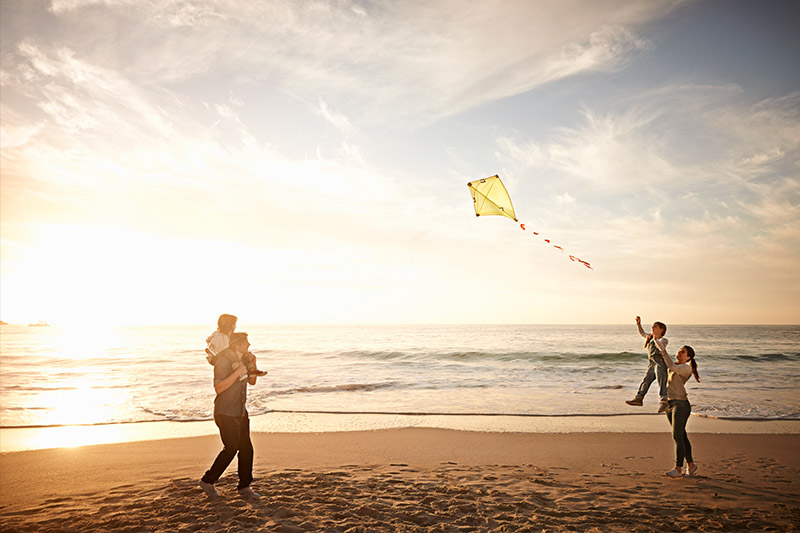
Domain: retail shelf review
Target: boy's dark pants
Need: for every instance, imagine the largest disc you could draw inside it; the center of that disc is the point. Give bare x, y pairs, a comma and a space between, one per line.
235, 433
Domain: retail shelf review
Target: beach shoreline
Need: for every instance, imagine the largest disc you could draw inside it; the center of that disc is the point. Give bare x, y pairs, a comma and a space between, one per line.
34, 438
411, 479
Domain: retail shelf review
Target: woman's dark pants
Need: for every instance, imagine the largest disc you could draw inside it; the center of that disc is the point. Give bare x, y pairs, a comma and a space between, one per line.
678, 414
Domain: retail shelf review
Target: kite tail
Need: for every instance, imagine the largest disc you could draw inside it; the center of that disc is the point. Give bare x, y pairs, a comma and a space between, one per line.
572, 258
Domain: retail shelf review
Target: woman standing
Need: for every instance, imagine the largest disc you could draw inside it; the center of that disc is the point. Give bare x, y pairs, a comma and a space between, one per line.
679, 407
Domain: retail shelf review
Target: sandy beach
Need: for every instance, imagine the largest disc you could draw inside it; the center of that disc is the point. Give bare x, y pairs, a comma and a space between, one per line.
412, 479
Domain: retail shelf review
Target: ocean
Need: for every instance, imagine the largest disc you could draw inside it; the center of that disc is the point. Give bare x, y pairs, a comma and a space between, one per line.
55, 376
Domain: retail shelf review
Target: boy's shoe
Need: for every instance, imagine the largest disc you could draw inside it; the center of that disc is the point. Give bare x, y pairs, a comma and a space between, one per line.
675, 472
691, 471
663, 405
209, 489
635, 401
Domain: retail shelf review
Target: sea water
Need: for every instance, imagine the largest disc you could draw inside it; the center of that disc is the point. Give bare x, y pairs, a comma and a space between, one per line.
51, 376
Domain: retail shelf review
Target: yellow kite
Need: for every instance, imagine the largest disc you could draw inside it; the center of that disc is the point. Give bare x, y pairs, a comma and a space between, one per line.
491, 198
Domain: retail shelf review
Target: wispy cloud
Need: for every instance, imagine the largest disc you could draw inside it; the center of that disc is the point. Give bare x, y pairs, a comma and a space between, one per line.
606, 151
111, 151
338, 120
383, 60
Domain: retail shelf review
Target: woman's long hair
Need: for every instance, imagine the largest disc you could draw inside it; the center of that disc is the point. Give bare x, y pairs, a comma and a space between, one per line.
690, 353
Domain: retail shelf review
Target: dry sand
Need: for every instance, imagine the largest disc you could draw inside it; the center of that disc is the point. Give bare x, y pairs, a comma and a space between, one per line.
411, 479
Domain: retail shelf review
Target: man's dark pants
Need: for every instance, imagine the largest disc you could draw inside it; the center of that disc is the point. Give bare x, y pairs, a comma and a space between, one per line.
235, 433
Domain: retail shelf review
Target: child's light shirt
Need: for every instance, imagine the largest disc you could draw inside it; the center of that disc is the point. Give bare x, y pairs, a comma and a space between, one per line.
217, 342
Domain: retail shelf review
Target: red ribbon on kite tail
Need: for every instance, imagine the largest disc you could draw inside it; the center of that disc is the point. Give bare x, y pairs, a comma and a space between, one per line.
560, 249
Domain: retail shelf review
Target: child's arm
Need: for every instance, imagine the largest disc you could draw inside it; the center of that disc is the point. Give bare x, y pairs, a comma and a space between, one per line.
639, 325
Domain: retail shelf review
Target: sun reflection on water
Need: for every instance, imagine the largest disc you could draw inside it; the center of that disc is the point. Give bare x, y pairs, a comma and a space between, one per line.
64, 375
83, 404
78, 342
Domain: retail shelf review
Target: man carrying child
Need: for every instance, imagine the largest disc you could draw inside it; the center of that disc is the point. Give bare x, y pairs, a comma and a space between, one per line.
230, 383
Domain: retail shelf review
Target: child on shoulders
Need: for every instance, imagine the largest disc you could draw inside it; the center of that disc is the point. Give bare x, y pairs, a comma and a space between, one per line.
219, 340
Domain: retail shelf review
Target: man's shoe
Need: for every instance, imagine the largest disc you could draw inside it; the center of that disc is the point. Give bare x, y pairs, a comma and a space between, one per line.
635, 401
691, 471
675, 472
247, 492
209, 489
663, 405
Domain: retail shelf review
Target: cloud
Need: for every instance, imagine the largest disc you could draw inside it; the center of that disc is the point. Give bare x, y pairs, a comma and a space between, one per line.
109, 151
681, 188
379, 61
15, 130
607, 151
338, 120
689, 139
763, 138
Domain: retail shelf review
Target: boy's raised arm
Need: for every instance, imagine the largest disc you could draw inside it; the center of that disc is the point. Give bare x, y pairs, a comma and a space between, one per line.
639, 325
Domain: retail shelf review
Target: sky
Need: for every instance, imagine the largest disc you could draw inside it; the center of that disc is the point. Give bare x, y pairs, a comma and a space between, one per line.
289, 161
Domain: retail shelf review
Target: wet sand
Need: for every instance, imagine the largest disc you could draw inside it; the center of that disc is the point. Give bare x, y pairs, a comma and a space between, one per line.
412, 479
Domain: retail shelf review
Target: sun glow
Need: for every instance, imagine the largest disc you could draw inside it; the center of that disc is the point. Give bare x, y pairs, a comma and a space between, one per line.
88, 277
85, 404
83, 341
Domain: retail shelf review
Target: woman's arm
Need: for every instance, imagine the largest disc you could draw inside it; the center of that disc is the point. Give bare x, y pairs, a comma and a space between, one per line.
667, 359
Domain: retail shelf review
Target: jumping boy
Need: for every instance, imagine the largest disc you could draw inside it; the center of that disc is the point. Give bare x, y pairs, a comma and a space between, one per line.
656, 368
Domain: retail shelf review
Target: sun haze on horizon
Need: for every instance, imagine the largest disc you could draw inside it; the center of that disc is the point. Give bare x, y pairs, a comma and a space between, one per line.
306, 163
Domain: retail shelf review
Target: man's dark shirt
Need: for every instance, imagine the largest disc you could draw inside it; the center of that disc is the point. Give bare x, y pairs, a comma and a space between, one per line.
231, 401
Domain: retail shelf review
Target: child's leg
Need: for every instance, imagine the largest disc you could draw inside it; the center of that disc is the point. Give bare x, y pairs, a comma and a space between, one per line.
649, 377
661, 374
250, 363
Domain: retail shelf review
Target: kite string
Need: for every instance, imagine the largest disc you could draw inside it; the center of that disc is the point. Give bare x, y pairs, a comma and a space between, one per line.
572, 258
